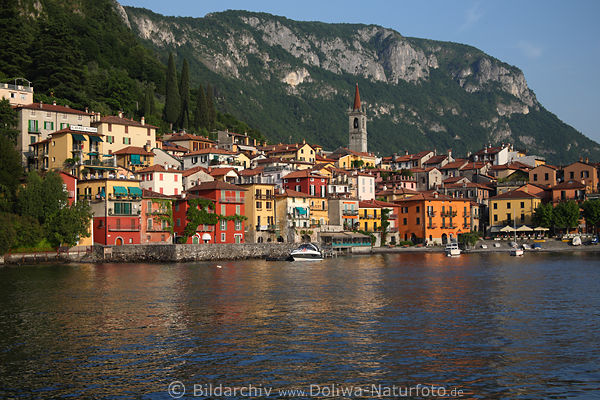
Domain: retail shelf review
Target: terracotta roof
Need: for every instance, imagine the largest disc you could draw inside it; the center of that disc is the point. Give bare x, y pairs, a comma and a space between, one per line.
356, 99
159, 168
429, 196
114, 119
215, 185
467, 184
69, 130
573, 185
489, 150
453, 179
212, 150
514, 194
546, 165
474, 165
192, 171
456, 164
251, 172
436, 159
174, 147
133, 150
220, 171
187, 136
354, 153
149, 194
305, 173
396, 190
53, 108
293, 193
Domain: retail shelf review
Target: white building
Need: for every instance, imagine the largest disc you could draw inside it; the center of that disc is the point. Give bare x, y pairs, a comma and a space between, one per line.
161, 180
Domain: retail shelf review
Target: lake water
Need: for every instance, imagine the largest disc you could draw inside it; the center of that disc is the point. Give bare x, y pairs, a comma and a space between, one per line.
491, 325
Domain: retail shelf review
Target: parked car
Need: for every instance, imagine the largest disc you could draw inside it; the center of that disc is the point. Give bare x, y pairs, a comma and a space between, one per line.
537, 246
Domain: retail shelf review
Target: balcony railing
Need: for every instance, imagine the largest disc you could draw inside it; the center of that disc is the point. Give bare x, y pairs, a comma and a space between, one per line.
265, 227
158, 229
264, 197
99, 163
432, 226
231, 199
351, 213
124, 228
205, 228
298, 216
448, 214
431, 213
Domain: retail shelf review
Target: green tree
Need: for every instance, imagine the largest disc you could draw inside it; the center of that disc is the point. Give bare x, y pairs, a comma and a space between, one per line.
41, 198
172, 108
7, 233
8, 121
566, 215
468, 239
10, 173
69, 224
149, 106
210, 105
543, 215
28, 231
184, 91
13, 58
591, 213
385, 223
201, 110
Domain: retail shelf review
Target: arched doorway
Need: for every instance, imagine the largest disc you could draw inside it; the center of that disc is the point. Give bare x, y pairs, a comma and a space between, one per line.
444, 238
195, 239
119, 241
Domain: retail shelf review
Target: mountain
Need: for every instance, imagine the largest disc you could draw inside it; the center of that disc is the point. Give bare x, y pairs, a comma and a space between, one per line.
295, 80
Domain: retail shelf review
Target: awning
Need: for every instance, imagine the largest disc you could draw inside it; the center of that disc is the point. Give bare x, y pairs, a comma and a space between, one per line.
541, 228
507, 228
301, 210
120, 190
95, 139
524, 228
135, 159
92, 153
134, 191
78, 137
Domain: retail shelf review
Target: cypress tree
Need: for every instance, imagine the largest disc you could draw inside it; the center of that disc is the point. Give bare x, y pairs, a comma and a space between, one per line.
210, 105
184, 91
173, 101
149, 107
201, 111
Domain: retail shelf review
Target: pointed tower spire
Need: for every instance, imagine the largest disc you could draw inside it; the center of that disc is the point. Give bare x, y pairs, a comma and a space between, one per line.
356, 99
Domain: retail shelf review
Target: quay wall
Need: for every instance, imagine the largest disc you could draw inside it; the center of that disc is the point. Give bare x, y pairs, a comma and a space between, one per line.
190, 252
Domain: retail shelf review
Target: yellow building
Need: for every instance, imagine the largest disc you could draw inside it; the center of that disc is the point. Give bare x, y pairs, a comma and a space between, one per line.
70, 149
369, 216
134, 158
123, 132
261, 213
517, 204
297, 151
348, 159
319, 211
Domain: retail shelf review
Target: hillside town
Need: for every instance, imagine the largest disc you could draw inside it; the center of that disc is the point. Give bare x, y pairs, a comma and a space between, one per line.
145, 186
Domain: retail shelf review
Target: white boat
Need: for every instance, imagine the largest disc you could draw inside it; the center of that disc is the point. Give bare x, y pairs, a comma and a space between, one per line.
452, 250
576, 241
516, 252
307, 252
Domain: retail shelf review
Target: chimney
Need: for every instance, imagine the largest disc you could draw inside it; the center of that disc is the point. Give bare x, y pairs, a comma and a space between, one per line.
86, 110
53, 102
143, 121
405, 152
41, 104
435, 195
587, 160
120, 114
580, 159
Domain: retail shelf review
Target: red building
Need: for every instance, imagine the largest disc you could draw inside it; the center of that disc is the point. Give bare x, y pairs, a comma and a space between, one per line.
70, 186
229, 204
155, 224
307, 182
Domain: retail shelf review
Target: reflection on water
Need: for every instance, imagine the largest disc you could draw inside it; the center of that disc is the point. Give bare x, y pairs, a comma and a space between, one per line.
496, 326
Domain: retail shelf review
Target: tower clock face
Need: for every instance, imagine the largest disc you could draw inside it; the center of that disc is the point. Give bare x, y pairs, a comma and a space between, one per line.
355, 123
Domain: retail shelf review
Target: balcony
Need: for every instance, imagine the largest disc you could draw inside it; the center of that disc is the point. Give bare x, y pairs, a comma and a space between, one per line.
124, 228
205, 228
433, 226
431, 213
265, 197
298, 216
231, 199
99, 163
449, 214
350, 213
393, 216
263, 228
158, 229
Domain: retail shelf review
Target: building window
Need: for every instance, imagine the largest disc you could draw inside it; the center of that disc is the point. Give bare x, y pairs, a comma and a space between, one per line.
495, 218
404, 221
571, 175
418, 209
508, 205
178, 222
126, 140
495, 206
258, 205
546, 177
238, 225
535, 177
149, 224
49, 125
110, 127
223, 238
418, 221
522, 204
126, 129
268, 205
522, 217
223, 225
223, 209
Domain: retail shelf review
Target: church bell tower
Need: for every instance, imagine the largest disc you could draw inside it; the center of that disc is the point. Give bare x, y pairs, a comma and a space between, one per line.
357, 122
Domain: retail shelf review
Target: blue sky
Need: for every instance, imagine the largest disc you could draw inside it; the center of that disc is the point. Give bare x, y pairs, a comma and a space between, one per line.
555, 43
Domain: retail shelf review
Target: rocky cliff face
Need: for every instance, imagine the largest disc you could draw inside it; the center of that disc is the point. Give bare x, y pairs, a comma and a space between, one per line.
442, 92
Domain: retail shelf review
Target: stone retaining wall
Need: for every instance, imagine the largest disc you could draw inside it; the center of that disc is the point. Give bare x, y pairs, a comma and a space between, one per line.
190, 252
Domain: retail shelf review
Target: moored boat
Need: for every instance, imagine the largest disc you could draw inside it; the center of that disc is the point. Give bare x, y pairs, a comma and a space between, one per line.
516, 252
452, 250
307, 252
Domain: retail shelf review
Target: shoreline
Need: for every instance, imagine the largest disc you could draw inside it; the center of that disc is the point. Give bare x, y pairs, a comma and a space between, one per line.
266, 251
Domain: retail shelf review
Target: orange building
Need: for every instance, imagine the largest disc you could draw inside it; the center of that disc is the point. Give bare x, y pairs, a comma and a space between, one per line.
583, 172
433, 218
543, 175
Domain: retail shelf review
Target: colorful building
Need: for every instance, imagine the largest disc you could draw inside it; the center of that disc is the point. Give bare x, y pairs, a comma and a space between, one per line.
512, 208
260, 210
343, 212
134, 158
543, 175
161, 180
306, 181
432, 218
123, 132
156, 218
293, 215
583, 172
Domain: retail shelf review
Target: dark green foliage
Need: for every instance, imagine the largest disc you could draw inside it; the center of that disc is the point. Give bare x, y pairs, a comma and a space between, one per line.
12, 57
544, 215
591, 212
28, 231
197, 214
385, 223
10, 173
8, 121
43, 197
184, 92
566, 215
172, 108
69, 224
201, 110
468, 239
7, 233
210, 106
